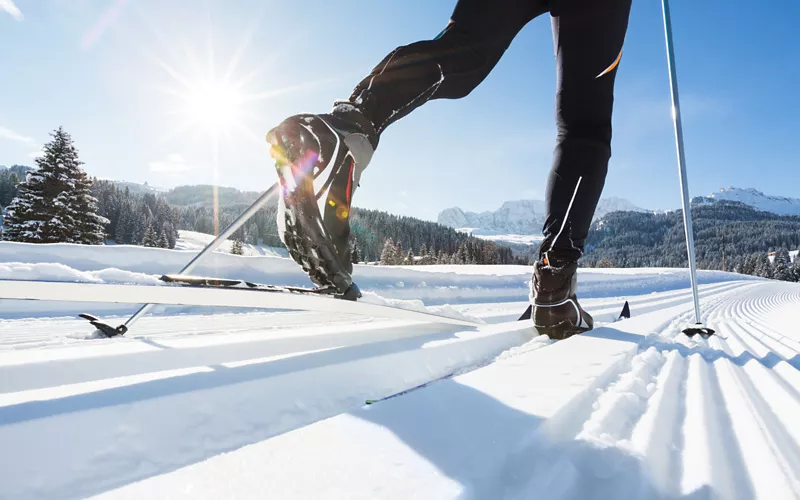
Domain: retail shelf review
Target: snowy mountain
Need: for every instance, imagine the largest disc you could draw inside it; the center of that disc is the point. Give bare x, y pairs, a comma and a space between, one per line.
520, 217
513, 217
756, 199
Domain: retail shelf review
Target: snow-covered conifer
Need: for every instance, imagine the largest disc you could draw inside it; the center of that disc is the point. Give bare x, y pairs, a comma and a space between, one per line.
54, 204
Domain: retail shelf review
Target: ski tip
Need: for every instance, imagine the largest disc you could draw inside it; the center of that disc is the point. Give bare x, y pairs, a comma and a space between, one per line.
698, 329
104, 328
527, 314
626, 312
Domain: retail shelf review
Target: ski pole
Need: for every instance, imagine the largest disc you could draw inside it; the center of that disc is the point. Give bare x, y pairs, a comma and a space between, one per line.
224, 235
687, 208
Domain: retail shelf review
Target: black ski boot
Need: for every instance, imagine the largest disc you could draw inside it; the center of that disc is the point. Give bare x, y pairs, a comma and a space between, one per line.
319, 159
556, 311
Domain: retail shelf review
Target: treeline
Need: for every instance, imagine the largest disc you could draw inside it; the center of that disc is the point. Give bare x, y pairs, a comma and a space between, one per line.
371, 230
471, 251
10, 177
758, 264
136, 219
143, 217
261, 229
725, 232
204, 194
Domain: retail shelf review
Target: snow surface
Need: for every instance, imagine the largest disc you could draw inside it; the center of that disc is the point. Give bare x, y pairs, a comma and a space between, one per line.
271, 404
194, 241
434, 285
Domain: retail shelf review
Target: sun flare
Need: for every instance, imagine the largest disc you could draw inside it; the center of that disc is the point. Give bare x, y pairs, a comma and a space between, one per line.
215, 97
214, 105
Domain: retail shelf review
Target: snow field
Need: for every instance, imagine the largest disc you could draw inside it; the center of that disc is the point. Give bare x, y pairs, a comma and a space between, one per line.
168, 404
630, 410
433, 285
616, 413
207, 403
194, 241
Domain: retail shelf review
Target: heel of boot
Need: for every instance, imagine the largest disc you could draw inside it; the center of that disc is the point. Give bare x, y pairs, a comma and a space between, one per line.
562, 320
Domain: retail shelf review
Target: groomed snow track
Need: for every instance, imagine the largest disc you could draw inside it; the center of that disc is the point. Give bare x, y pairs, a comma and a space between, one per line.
631, 410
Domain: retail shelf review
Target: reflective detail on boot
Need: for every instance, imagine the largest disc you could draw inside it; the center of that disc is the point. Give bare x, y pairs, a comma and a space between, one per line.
574, 305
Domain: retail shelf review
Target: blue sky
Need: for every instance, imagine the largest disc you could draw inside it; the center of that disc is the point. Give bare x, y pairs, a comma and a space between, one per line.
128, 79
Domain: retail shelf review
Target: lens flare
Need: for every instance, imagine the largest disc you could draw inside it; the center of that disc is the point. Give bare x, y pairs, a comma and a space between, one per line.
213, 105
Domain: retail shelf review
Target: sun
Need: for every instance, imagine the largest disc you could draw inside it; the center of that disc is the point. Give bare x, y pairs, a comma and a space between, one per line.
217, 98
213, 105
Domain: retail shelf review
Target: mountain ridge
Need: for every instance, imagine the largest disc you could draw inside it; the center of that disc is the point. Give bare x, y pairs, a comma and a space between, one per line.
781, 205
521, 216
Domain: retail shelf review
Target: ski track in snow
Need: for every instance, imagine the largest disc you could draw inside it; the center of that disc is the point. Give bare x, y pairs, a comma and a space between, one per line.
168, 410
693, 418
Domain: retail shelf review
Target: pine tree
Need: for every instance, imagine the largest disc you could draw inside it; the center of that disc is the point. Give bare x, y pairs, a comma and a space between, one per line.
470, 254
163, 241
782, 272
150, 239
237, 248
780, 265
796, 269
749, 265
387, 254
54, 204
399, 256
355, 256
142, 218
409, 260
782, 257
763, 268
391, 254
8, 187
171, 234
461, 255
734, 264
122, 235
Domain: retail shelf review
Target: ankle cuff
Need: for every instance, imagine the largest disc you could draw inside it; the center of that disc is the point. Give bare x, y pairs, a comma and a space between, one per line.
349, 112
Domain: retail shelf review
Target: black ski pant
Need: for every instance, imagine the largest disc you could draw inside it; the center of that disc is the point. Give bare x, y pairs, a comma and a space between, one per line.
588, 37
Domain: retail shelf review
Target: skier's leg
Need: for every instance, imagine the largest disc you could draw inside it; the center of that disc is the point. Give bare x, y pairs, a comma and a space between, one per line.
320, 157
588, 36
448, 67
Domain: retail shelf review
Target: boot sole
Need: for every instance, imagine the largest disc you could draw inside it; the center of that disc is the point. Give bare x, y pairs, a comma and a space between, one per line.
307, 244
560, 332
